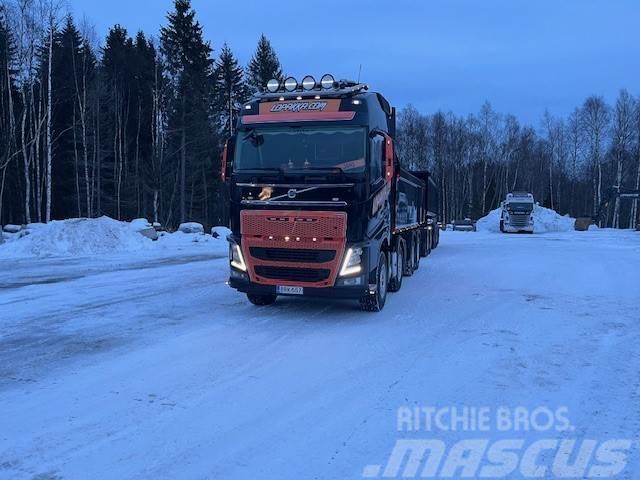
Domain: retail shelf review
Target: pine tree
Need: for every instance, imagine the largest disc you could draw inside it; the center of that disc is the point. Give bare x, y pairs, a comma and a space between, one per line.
144, 75
68, 189
230, 90
190, 73
264, 66
117, 65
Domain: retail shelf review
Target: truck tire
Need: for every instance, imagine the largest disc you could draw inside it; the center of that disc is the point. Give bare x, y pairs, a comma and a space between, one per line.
395, 280
375, 302
262, 300
408, 264
417, 239
502, 226
425, 244
436, 237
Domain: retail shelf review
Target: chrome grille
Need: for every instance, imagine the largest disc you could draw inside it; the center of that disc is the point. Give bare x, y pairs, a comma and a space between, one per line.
519, 219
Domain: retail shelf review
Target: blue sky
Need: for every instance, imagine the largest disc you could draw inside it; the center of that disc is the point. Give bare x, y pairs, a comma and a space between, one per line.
522, 56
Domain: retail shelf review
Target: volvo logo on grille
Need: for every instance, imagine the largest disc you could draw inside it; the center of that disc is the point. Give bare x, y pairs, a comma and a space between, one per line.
292, 193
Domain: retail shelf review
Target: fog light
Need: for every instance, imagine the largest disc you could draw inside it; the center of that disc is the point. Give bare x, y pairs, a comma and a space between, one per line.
238, 275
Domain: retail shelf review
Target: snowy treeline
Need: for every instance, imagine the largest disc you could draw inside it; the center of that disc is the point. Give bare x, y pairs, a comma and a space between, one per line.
122, 126
569, 164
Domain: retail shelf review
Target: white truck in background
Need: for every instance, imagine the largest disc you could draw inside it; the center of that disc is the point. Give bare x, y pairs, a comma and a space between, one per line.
517, 213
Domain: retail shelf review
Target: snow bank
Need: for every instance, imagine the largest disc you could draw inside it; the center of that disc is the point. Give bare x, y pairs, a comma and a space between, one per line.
544, 220
144, 228
12, 228
75, 237
181, 239
191, 227
96, 236
220, 232
490, 222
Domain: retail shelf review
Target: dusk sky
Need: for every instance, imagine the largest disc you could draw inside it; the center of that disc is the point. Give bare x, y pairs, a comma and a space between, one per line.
522, 56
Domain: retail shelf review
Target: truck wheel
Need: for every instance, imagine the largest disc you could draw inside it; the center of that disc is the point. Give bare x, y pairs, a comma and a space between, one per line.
425, 244
436, 237
261, 300
502, 226
395, 280
409, 262
417, 239
375, 302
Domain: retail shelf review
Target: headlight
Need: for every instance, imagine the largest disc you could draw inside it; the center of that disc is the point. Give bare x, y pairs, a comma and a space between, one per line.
236, 258
352, 262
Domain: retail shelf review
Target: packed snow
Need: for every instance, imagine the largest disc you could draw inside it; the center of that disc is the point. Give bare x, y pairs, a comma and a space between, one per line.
152, 367
191, 227
545, 220
82, 237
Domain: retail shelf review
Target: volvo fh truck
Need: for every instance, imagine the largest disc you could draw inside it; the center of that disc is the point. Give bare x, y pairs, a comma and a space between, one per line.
517, 213
318, 202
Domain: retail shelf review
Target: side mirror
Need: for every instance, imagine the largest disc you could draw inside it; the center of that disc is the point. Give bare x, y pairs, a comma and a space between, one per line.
227, 156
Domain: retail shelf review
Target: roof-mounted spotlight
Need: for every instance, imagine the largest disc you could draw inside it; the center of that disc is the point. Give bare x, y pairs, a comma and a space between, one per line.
327, 81
273, 85
290, 84
308, 83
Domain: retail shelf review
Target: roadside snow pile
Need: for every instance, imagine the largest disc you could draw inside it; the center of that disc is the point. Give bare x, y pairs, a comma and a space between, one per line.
180, 239
544, 220
75, 237
490, 222
80, 237
144, 228
547, 220
220, 232
191, 227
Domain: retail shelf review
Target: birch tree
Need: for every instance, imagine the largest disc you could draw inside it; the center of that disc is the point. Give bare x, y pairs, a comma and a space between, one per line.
595, 119
622, 134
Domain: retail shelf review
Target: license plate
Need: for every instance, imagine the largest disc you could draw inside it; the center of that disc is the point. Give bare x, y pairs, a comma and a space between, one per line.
289, 290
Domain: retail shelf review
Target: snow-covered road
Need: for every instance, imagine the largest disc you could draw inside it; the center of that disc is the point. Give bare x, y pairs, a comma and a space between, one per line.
151, 367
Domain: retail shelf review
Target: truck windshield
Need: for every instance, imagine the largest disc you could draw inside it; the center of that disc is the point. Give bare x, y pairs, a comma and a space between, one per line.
520, 206
296, 148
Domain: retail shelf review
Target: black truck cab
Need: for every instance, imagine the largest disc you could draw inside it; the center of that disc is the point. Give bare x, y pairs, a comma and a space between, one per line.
316, 194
